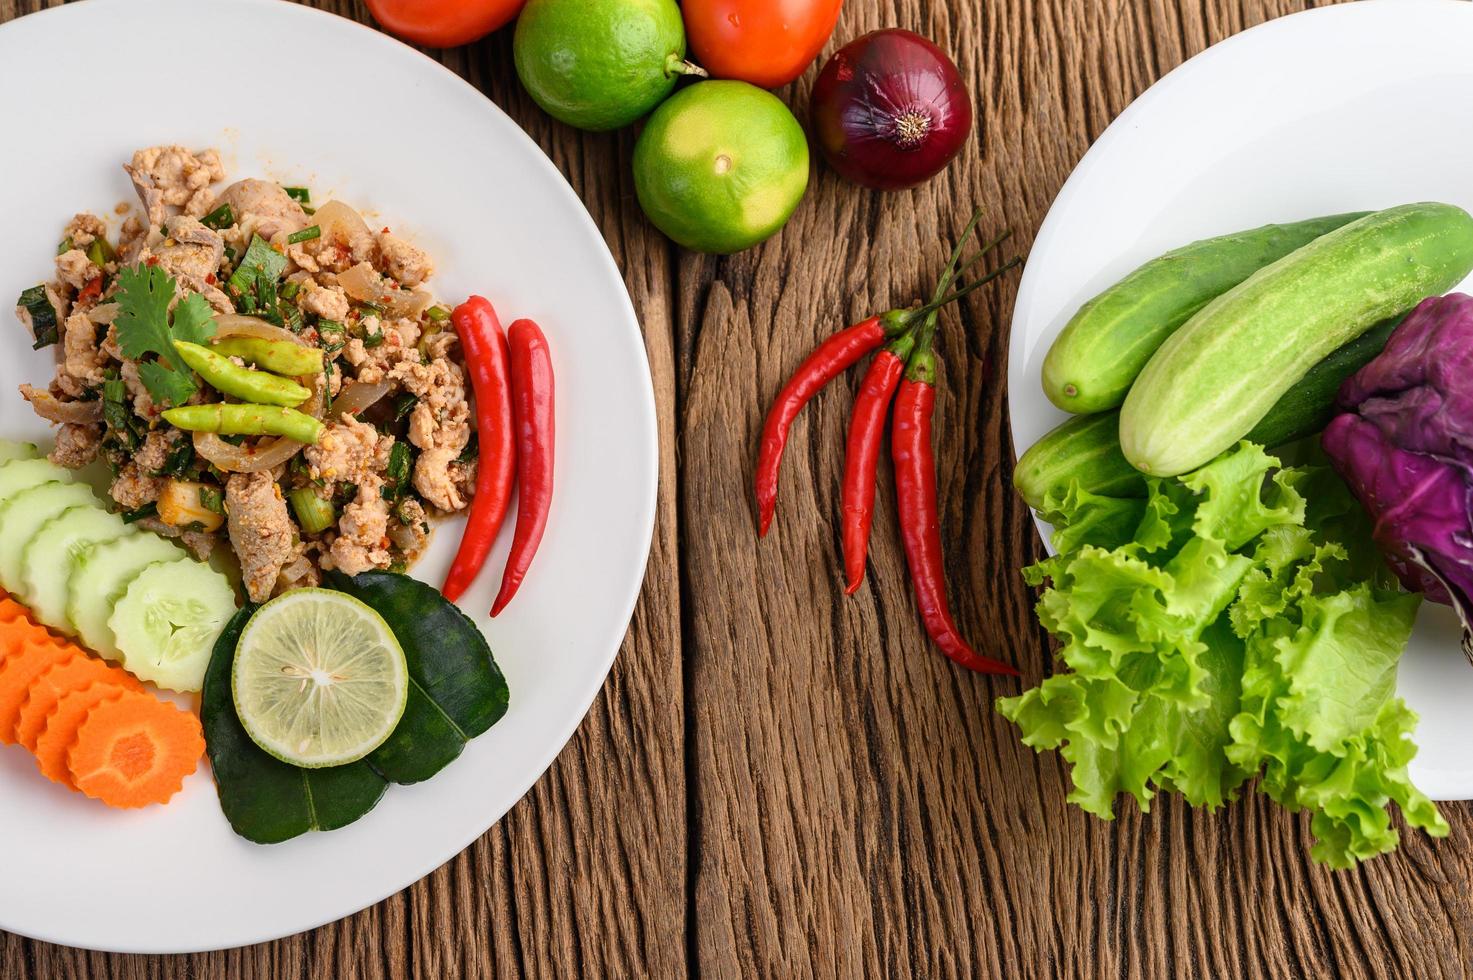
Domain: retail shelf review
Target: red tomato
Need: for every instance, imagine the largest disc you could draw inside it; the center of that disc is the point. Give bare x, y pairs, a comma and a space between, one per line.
443, 23
765, 42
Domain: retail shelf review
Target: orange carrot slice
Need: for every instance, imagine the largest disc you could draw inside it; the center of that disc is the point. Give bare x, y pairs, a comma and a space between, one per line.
10, 610
76, 672
56, 739
16, 632
135, 750
30, 657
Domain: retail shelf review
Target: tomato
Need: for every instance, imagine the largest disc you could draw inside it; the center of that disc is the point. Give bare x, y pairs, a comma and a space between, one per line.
765, 42
443, 23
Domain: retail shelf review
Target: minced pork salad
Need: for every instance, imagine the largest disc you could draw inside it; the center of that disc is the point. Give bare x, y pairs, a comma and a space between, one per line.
252, 367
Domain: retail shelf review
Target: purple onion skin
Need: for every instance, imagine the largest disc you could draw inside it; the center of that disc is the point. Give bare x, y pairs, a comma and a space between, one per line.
890, 110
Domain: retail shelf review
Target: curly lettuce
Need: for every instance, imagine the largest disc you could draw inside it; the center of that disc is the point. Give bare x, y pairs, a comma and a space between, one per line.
1235, 623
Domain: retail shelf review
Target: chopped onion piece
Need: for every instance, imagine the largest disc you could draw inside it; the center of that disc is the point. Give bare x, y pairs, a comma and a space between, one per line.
265, 454
235, 325
53, 409
340, 224
357, 397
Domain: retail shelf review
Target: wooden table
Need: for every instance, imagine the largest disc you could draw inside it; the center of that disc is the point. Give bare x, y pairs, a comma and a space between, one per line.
777, 781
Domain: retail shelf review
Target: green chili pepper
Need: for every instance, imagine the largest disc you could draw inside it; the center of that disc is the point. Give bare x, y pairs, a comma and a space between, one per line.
246, 420
222, 374
279, 356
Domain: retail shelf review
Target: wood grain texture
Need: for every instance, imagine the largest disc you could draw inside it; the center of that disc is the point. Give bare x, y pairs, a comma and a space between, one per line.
777, 781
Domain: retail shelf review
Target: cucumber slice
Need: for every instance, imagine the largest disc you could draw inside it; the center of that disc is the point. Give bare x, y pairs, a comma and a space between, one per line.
22, 516
48, 558
10, 449
168, 620
22, 474
103, 572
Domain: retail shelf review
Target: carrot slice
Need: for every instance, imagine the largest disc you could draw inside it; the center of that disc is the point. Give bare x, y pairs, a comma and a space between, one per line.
10, 610
56, 739
30, 656
16, 632
73, 674
135, 750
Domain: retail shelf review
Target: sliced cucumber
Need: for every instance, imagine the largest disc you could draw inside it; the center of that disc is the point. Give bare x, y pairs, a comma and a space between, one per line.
10, 449
22, 516
168, 620
22, 474
48, 558
103, 572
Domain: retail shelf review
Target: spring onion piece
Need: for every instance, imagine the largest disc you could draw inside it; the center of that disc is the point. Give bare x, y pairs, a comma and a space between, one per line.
299, 194
372, 340
305, 235
289, 290
99, 253
313, 513
211, 499
437, 313
65, 246
134, 516
260, 263
221, 217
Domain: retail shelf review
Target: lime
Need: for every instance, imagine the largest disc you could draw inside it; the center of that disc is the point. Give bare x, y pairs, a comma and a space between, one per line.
319, 679
600, 64
720, 166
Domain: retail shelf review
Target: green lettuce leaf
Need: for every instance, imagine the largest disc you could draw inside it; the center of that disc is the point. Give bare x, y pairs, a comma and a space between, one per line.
1244, 627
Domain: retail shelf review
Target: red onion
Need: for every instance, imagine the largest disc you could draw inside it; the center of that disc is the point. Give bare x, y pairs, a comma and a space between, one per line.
890, 110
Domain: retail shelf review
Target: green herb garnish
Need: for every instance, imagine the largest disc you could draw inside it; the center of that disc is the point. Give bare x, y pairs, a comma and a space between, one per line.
37, 306
221, 217
305, 235
178, 461
438, 313
299, 194
212, 500
145, 326
260, 261
134, 516
65, 246
100, 253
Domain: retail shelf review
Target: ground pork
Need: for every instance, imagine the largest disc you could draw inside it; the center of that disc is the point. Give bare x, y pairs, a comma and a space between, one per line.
191, 252
329, 302
154, 454
261, 208
85, 228
410, 516
172, 176
142, 401
82, 359
362, 541
75, 269
399, 260
440, 426
350, 451
372, 364
133, 488
76, 445
260, 530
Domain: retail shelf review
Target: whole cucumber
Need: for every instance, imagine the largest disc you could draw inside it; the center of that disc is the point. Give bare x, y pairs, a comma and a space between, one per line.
1217, 376
1097, 356
1086, 448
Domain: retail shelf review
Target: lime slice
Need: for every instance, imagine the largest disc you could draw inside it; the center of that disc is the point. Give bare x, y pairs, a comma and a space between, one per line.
319, 679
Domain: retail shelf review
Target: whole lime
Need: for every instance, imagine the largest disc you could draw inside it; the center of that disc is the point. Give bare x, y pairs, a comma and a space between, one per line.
600, 64
721, 166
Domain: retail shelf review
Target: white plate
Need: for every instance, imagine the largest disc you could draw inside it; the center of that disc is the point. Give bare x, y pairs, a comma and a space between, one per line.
1340, 108
304, 96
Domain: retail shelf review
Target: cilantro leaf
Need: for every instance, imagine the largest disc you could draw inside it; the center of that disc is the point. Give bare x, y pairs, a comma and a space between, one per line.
144, 327
166, 385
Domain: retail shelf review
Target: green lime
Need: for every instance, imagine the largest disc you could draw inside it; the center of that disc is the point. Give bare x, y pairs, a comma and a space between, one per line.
720, 166
600, 64
319, 679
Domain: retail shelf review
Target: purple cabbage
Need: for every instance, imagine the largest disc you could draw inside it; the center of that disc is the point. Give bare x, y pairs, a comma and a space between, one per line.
1404, 444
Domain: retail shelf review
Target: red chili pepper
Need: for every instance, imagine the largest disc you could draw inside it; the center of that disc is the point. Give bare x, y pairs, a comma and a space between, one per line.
486, 359
862, 456
90, 291
532, 411
920, 529
831, 359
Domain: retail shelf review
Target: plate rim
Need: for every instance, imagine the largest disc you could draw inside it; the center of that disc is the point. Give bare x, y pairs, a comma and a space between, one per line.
648, 437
